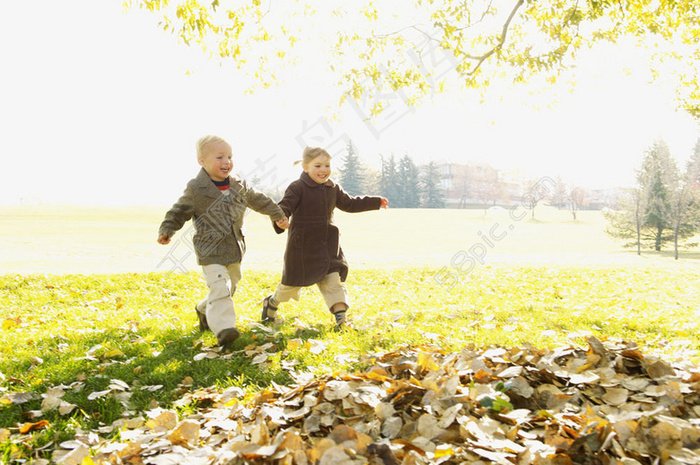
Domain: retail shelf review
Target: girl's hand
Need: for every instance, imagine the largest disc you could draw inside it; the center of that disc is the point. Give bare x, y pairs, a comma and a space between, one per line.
385, 203
163, 239
283, 223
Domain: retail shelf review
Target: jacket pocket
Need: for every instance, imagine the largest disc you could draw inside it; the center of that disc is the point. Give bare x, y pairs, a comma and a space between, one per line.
206, 244
241, 240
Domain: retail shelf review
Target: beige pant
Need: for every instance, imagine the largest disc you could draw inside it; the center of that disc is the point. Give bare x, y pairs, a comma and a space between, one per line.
218, 304
332, 290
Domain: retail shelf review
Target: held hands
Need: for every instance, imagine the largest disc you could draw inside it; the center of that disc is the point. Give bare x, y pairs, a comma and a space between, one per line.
163, 239
283, 223
385, 203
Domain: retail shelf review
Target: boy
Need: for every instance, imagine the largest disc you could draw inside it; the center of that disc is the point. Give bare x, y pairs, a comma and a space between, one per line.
217, 202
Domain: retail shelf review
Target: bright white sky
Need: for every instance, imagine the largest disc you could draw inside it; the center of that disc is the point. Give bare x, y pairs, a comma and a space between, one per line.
101, 107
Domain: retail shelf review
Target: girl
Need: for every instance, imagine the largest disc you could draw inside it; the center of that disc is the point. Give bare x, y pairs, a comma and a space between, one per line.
313, 254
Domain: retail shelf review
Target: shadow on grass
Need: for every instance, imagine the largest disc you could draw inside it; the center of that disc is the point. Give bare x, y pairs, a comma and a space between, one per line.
156, 367
683, 255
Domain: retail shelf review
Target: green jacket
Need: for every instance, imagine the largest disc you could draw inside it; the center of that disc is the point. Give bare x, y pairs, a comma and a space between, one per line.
218, 220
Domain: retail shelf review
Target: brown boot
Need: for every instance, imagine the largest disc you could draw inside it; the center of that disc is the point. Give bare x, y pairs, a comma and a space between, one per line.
203, 325
227, 336
268, 311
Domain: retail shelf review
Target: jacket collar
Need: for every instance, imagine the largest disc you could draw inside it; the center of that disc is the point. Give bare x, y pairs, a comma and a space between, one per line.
306, 179
203, 181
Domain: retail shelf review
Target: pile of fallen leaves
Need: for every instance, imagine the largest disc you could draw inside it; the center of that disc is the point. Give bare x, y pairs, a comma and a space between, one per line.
607, 404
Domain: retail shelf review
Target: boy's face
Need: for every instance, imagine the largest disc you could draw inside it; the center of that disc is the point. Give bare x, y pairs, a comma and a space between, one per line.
217, 160
318, 169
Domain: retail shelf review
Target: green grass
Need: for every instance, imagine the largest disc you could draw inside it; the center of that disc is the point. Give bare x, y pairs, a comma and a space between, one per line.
81, 331
107, 315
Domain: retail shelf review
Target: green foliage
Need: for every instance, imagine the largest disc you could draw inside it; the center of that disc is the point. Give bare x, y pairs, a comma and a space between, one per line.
400, 182
433, 194
389, 186
658, 180
409, 183
437, 44
351, 173
663, 208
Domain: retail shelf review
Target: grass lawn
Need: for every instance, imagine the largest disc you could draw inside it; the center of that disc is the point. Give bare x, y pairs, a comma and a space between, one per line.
87, 312
85, 240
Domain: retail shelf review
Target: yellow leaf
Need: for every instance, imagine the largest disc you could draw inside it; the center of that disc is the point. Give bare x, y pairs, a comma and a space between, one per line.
11, 323
27, 427
114, 353
186, 432
427, 362
443, 450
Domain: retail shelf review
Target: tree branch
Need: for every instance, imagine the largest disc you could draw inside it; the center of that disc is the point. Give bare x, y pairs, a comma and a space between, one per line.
480, 59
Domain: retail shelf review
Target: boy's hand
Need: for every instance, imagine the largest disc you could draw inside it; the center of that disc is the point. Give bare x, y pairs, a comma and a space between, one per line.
283, 223
385, 203
163, 239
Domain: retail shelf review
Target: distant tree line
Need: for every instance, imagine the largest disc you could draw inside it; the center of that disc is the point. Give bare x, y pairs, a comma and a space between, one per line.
407, 185
401, 181
662, 209
664, 206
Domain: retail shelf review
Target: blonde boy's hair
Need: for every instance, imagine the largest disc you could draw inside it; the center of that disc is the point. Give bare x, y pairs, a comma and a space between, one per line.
312, 152
203, 141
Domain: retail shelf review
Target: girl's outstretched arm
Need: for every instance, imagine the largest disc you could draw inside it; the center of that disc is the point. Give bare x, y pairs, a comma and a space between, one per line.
356, 204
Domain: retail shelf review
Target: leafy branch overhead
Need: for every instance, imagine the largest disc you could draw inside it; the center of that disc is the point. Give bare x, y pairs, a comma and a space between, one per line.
430, 46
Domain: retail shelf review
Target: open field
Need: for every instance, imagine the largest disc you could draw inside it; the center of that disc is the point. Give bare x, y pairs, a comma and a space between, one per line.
96, 333
61, 239
90, 359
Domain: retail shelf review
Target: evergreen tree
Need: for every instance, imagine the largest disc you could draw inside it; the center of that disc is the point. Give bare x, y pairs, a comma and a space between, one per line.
409, 182
660, 209
658, 179
352, 172
626, 222
686, 212
389, 183
434, 196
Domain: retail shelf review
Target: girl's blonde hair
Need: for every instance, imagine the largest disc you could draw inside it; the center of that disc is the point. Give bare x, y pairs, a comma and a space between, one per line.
203, 141
310, 153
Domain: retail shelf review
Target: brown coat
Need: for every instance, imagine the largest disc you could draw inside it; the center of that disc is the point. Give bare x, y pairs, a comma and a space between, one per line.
218, 221
313, 243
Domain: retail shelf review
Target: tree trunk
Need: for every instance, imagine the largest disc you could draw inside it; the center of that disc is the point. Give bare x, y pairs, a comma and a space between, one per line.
675, 239
659, 231
639, 234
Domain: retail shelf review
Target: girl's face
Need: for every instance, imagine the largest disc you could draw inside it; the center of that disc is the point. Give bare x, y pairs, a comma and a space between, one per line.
318, 169
217, 160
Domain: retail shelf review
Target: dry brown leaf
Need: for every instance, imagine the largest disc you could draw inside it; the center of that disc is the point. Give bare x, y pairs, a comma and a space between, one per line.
186, 433
165, 419
570, 405
616, 396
